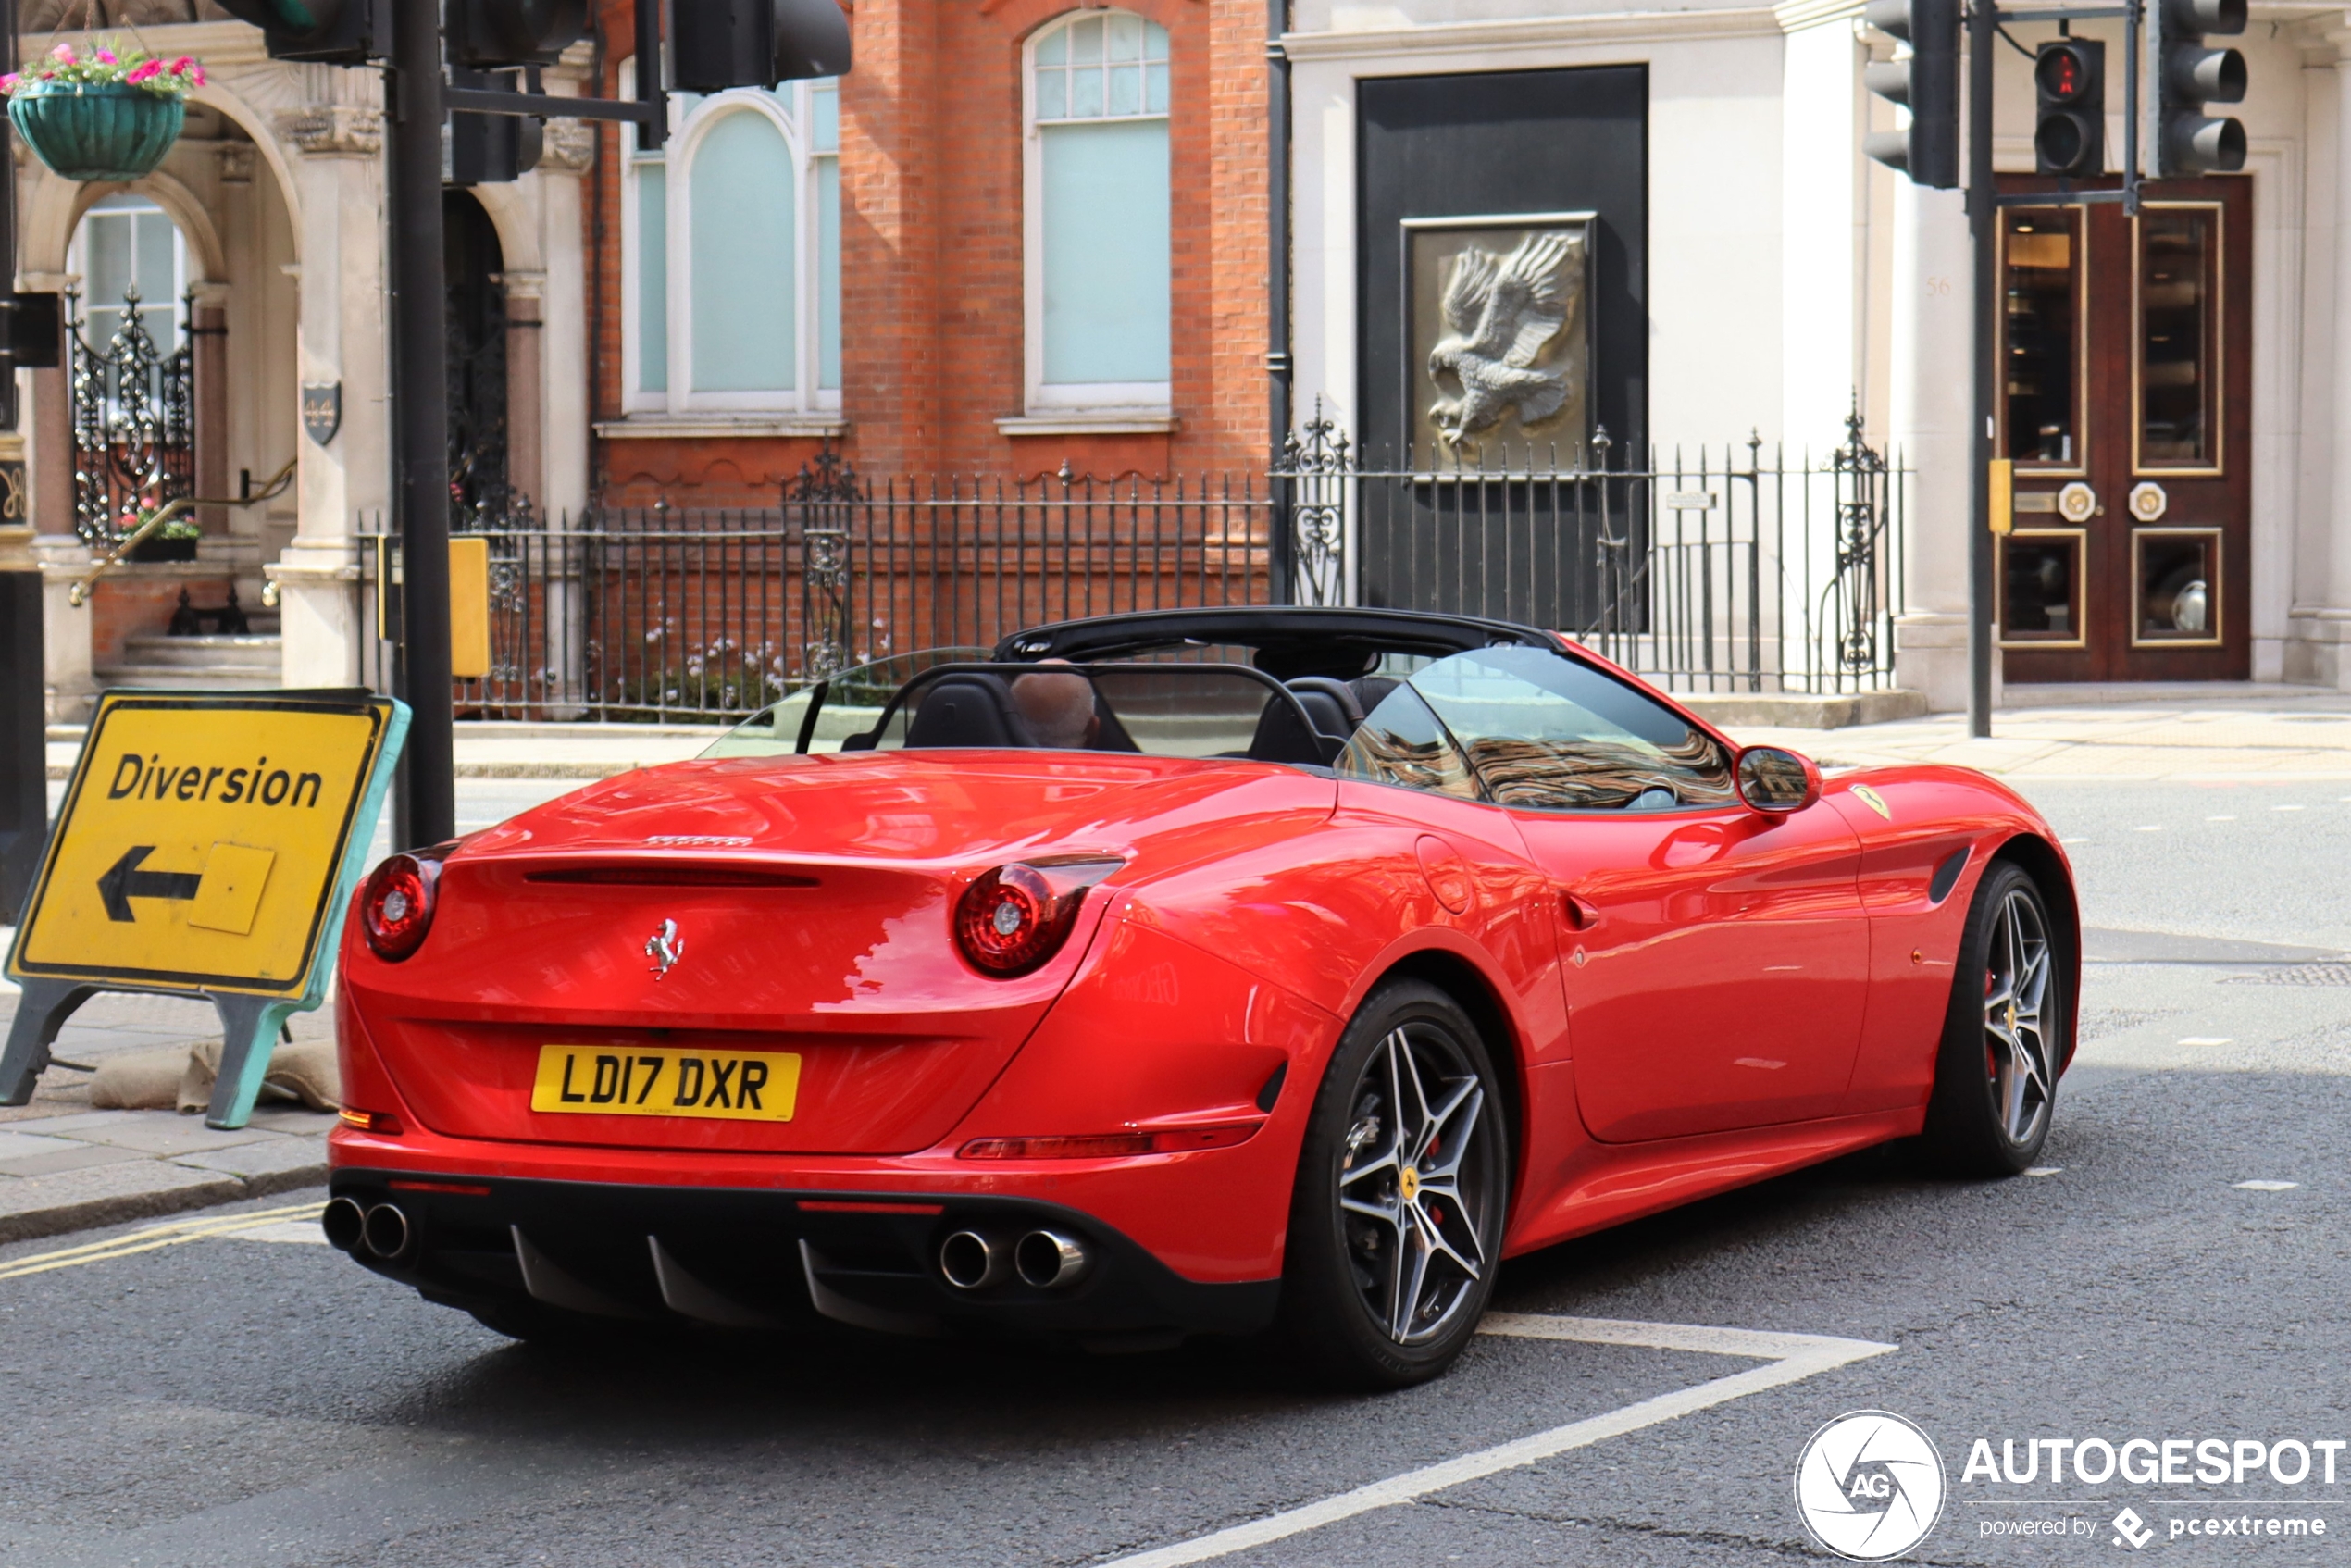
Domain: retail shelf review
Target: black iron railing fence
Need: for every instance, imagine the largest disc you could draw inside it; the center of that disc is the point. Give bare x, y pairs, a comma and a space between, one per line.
1723, 570
1729, 571
688, 615
132, 408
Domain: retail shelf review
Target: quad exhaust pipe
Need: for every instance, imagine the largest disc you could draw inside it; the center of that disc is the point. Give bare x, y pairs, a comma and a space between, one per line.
380, 1230
1043, 1259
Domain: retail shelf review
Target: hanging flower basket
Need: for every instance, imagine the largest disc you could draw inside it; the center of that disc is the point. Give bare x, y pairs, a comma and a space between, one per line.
109, 115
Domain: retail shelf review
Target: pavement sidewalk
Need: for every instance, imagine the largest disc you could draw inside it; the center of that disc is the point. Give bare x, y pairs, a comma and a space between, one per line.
64, 1166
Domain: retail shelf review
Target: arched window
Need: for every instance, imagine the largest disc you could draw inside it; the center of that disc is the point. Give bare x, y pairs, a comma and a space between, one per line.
126, 241
731, 286
1098, 214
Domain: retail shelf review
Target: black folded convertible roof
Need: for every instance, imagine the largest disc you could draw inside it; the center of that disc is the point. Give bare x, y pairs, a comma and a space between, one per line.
1285, 640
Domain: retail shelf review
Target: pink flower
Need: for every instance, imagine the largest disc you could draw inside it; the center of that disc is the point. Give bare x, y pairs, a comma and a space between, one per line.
106, 57
144, 72
9, 82
62, 53
180, 66
195, 74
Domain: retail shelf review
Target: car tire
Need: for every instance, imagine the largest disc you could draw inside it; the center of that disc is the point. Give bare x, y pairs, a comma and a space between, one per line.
1387, 1273
2003, 1035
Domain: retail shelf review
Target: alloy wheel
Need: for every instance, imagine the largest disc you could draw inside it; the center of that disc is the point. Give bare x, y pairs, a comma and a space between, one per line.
2016, 992
1415, 1184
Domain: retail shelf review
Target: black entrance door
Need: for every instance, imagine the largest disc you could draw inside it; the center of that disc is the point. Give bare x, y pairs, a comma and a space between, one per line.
1509, 163
472, 261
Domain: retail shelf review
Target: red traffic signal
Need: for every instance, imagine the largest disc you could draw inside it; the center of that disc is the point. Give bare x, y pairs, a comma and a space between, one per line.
2069, 125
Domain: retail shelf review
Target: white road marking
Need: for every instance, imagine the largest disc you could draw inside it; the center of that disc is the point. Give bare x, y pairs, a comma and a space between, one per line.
2150, 828
2266, 1186
2207, 1039
2074, 840
2228, 818
2043, 1170
1790, 1358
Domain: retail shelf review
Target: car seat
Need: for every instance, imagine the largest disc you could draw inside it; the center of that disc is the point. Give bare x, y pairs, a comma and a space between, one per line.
967, 710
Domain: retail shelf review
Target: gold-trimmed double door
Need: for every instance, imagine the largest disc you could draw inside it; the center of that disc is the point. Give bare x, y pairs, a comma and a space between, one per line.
2127, 346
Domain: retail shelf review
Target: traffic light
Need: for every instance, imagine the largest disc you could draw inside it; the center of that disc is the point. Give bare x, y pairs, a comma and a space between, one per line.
484, 35
1927, 84
335, 32
2069, 126
484, 149
715, 44
2188, 75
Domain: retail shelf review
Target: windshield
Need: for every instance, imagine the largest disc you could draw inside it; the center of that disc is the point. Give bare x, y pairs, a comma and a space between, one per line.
847, 705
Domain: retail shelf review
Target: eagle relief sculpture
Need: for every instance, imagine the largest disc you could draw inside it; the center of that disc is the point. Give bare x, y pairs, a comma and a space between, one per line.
1501, 314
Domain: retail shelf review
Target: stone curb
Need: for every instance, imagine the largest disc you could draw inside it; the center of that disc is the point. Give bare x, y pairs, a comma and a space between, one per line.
169, 1189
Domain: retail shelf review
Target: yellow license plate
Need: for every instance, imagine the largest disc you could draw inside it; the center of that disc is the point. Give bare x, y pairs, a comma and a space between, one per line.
610, 1080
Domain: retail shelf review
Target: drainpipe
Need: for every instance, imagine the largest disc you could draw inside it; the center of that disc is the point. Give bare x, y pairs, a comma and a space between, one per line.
1277, 357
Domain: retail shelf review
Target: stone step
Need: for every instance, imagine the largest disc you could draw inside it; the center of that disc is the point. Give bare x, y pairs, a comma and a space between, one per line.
257, 653
181, 677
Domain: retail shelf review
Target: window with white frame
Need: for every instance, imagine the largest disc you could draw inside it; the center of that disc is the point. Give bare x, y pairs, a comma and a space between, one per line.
1097, 225
126, 241
731, 235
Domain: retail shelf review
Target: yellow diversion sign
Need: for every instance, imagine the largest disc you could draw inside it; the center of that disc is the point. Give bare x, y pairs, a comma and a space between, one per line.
207, 843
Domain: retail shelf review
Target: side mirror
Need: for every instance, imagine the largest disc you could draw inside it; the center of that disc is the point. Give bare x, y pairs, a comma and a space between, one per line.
1777, 782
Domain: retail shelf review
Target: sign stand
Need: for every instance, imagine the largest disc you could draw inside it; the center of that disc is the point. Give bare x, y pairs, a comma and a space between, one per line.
183, 865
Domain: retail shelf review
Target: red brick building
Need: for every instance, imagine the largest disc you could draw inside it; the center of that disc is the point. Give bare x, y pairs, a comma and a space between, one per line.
1017, 233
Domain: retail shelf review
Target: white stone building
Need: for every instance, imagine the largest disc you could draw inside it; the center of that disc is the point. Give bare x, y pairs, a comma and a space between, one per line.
275, 200
2193, 371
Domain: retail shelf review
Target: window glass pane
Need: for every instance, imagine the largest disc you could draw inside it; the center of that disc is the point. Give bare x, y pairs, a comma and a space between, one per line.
1086, 41
740, 238
2175, 360
1054, 48
653, 278
825, 113
2041, 290
1084, 93
1106, 252
1154, 42
1544, 732
1125, 37
1053, 94
1155, 89
1127, 90
1400, 742
2040, 588
2177, 579
828, 172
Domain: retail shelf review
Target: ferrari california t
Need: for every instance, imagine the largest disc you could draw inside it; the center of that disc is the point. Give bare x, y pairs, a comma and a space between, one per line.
1170, 972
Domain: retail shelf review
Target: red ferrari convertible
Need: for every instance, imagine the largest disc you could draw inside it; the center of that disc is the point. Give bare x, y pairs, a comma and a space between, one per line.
1177, 972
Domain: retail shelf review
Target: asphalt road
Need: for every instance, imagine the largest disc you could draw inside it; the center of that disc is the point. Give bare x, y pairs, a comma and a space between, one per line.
242, 1400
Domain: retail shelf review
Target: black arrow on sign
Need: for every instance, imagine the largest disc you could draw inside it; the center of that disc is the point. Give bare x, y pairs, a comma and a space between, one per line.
126, 882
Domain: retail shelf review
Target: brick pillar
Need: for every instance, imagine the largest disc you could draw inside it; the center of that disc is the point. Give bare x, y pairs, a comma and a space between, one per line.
891, 262
211, 339
526, 375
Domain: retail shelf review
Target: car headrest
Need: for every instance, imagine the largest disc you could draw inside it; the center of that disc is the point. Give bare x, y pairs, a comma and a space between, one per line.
966, 710
1280, 736
1330, 703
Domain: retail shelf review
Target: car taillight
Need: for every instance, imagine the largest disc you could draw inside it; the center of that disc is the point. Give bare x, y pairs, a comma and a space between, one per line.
396, 905
1014, 918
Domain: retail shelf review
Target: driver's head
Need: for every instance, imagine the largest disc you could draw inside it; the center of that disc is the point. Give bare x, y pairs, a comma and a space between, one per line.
1058, 709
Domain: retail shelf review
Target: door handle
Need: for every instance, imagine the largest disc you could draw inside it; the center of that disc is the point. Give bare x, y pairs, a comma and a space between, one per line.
1579, 915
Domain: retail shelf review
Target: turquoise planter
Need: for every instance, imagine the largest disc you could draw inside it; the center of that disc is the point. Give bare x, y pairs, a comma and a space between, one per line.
93, 131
